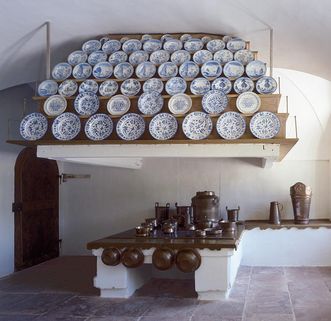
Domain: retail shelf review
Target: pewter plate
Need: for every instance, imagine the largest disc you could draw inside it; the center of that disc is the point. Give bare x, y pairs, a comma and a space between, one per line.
163, 126
264, 125
197, 125
33, 126
98, 127
130, 126
231, 125
66, 126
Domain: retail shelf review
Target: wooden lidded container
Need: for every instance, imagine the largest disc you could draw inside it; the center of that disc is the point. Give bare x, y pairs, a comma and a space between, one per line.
205, 207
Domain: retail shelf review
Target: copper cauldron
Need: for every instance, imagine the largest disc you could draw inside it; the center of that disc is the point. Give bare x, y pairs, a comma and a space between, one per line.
205, 207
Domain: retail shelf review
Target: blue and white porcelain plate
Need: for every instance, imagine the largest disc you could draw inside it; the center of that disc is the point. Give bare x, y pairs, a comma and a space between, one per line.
172, 45
200, 86
180, 56
248, 102
236, 44
145, 37
55, 105
244, 56
256, 69
98, 127
226, 39
86, 103
118, 105
103, 40
189, 70
214, 102
138, 57
47, 88
166, 37
175, 85
211, 69
206, 39
130, 87
180, 104
130, 126
124, 70
68, 88
88, 85
202, 56
215, 45
193, 45
33, 126
197, 125
117, 57
184, 37
243, 84
152, 45
91, 45
264, 125
131, 45
61, 71
233, 70
111, 46
222, 84
167, 70
231, 125
163, 126
159, 57
108, 88
82, 71
223, 56
145, 70
153, 84
66, 126
77, 57
266, 85
96, 57
150, 103
123, 39
103, 70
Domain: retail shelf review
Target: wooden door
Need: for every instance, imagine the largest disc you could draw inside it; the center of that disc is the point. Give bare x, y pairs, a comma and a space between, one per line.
36, 209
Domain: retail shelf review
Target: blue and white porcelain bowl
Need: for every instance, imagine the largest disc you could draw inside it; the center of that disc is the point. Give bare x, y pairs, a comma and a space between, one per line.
264, 125
77, 57
197, 125
91, 45
236, 44
124, 70
175, 85
231, 125
47, 88
168, 70
152, 45
211, 69
180, 56
82, 71
193, 45
33, 126
202, 56
159, 57
61, 71
88, 85
66, 126
111, 46
130, 87
163, 126
96, 57
214, 102
244, 56
256, 69
233, 70
138, 57
243, 84
200, 86
131, 45
223, 56
55, 105
150, 103
153, 84
86, 103
215, 45
98, 127
266, 85
108, 88
68, 88
118, 105
222, 84
103, 70
172, 45
117, 57
145, 70
189, 70
130, 126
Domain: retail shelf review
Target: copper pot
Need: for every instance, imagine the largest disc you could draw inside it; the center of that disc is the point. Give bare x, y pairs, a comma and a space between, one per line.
227, 226
161, 212
233, 214
184, 215
301, 199
152, 221
163, 258
205, 207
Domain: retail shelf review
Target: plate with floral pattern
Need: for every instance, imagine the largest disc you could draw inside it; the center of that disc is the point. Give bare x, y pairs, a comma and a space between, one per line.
266, 85
131, 45
77, 57
86, 103
55, 105
150, 103
130, 126
96, 57
163, 126
108, 88
200, 86
117, 57
138, 57
264, 125
68, 88
153, 84
33, 126
214, 102
159, 57
231, 125
118, 105
180, 104
180, 56
111, 46
223, 56
130, 87
192, 45
61, 71
98, 127
248, 102
197, 125
215, 45
202, 56
88, 85
175, 85
66, 126
222, 84
243, 84
91, 45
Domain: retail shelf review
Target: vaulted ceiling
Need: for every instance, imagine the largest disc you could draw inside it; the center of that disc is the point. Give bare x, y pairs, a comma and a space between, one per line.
301, 29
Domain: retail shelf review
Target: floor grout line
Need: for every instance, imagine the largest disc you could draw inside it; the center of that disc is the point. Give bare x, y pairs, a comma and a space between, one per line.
289, 294
243, 317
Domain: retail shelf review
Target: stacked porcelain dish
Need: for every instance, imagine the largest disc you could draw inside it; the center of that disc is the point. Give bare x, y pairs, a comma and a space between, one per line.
134, 86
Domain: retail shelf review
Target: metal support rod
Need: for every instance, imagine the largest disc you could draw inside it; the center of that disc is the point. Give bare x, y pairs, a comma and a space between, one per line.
287, 104
296, 127
278, 85
48, 50
271, 58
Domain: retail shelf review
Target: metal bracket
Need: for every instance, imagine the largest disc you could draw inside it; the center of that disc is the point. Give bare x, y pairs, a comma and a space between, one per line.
48, 49
65, 177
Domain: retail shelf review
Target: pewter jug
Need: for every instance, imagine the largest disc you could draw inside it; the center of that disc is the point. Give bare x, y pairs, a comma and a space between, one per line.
275, 209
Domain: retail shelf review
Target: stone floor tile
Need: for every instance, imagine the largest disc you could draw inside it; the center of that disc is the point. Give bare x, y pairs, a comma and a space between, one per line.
178, 317
224, 308
302, 273
269, 317
238, 292
325, 272
49, 317
215, 318
18, 317
273, 285
7, 300
113, 318
258, 270
317, 312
